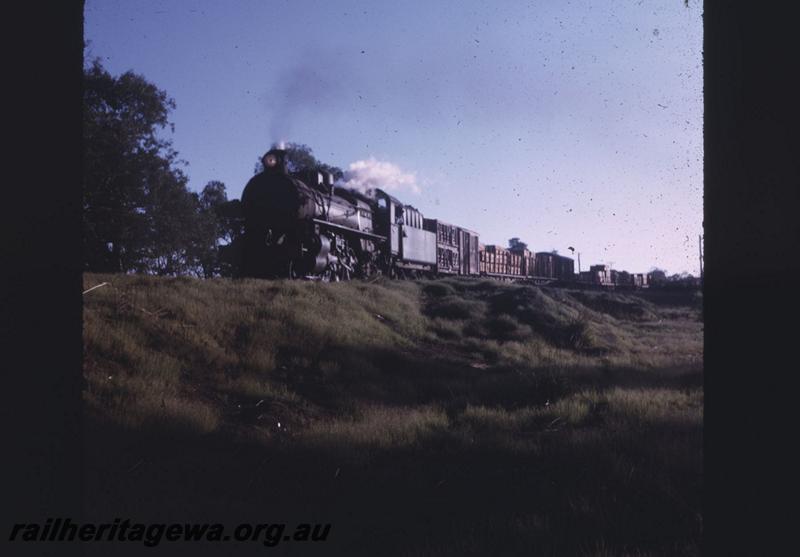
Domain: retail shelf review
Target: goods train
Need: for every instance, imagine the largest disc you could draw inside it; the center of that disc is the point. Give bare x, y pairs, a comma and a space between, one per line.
303, 225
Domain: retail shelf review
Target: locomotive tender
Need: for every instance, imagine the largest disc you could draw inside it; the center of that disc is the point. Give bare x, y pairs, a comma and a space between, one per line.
303, 225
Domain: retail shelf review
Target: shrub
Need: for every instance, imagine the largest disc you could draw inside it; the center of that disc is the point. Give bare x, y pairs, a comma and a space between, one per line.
452, 307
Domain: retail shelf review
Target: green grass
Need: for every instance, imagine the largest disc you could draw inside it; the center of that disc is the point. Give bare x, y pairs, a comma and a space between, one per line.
444, 417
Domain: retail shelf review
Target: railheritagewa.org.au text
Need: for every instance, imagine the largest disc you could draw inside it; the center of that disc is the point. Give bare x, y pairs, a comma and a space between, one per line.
153, 534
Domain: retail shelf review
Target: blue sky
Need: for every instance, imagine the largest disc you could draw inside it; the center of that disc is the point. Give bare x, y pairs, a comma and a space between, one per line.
565, 123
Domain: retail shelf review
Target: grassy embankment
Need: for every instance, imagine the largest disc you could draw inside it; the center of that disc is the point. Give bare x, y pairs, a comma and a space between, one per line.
420, 418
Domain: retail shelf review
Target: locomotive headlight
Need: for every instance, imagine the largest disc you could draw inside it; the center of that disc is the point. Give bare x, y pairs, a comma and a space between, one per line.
270, 160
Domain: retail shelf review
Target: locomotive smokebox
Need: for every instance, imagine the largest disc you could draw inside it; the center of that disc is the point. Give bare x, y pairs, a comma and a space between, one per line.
274, 199
275, 161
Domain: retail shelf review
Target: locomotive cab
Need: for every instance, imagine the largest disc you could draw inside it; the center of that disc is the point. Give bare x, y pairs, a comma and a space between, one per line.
387, 223
410, 245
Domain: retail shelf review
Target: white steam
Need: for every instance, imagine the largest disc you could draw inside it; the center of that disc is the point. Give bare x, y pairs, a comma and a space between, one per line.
366, 175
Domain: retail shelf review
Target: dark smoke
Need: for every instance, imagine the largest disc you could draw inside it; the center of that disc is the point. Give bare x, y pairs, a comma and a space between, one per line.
315, 86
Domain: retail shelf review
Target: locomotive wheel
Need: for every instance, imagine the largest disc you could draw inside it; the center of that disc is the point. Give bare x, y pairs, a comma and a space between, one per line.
331, 274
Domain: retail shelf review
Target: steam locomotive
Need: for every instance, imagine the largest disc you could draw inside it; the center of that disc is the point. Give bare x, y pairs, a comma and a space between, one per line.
303, 225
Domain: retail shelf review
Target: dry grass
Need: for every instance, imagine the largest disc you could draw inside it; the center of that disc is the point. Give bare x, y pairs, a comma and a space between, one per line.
377, 427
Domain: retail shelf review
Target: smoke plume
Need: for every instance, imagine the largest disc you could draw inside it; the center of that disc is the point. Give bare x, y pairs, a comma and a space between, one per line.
366, 175
313, 85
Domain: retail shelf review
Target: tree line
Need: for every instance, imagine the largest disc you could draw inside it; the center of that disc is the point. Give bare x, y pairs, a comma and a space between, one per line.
139, 214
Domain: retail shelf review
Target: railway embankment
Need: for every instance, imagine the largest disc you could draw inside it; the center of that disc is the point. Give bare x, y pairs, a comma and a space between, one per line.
518, 416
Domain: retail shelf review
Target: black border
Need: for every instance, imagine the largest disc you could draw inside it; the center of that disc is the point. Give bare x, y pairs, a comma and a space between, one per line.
751, 276
42, 255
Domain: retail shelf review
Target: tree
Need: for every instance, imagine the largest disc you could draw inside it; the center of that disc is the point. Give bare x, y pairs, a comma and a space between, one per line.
657, 276
138, 213
174, 227
300, 158
517, 245
213, 225
213, 195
